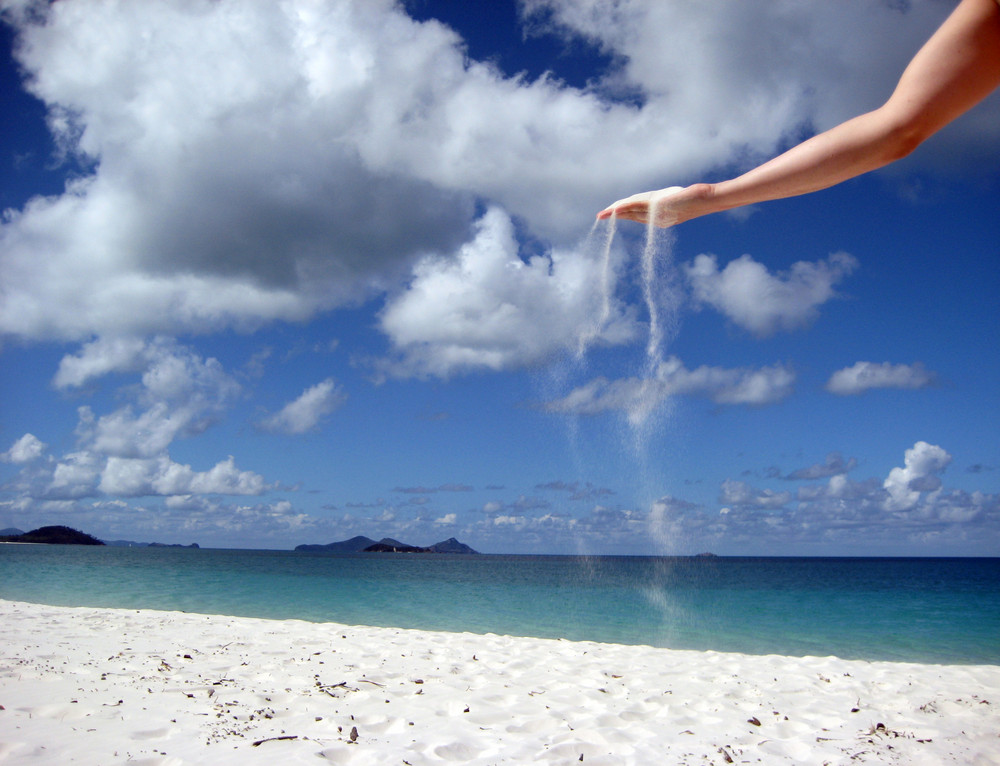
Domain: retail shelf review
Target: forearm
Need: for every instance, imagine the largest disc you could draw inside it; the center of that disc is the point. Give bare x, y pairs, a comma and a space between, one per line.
954, 70
957, 68
857, 146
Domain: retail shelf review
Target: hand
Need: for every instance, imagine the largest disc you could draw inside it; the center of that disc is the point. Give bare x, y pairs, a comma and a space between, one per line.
665, 205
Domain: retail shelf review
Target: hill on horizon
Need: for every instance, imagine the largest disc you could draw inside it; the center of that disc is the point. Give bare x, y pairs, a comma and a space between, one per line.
56, 535
362, 544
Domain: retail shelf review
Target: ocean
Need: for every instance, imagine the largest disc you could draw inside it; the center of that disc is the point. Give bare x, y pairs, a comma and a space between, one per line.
925, 610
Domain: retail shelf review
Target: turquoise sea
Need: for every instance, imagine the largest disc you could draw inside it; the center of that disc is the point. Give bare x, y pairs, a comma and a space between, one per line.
916, 610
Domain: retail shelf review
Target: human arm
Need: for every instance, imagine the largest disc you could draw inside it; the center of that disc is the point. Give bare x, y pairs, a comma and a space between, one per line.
955, 69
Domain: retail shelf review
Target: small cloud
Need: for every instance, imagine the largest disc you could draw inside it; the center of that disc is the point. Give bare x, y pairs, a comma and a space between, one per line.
639, 396
754, 299
379, 503
100, 357
518, 508
864, 376
455, 488
431, 490
432, 417
24, 450
306, 412
524, 504
743, 213
741, 494
832, 466
327, 347
576, 490
254, 367
505, 521
921, 465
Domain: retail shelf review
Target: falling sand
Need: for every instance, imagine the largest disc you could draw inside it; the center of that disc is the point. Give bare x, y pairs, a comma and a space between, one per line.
661, 300
647, 400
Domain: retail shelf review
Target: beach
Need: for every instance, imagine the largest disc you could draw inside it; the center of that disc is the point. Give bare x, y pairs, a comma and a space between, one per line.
103, 686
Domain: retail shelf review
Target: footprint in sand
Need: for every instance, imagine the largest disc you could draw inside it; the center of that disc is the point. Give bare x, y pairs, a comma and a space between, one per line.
457, 751
57, 711
151, 734
531, 726
796, 752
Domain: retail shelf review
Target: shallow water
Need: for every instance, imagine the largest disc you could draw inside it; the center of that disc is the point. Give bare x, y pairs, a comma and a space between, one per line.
920, 610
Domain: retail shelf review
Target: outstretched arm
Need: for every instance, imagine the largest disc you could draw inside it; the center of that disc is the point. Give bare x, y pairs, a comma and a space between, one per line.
955, 69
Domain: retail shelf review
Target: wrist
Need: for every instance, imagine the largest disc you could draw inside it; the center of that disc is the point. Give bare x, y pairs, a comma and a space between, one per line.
701, 199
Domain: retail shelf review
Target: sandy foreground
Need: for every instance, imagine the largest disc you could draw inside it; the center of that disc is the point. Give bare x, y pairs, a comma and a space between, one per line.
108, 686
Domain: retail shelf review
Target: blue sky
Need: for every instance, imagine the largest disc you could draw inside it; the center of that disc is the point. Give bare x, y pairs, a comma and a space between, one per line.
278, 275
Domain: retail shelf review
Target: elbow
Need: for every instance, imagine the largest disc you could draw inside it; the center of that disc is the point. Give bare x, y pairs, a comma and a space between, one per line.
902, 134
901, 142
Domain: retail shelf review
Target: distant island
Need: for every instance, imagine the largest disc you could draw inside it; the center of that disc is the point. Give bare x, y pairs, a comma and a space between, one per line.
68, 536
362, 544
52, 536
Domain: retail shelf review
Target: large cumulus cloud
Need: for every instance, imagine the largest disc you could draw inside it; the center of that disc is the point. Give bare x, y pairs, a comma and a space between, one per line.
252, 162
487, 308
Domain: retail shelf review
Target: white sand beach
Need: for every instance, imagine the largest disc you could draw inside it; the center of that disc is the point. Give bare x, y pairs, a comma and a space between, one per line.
108, 686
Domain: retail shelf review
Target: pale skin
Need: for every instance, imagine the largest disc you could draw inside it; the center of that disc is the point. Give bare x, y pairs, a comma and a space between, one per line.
955, 69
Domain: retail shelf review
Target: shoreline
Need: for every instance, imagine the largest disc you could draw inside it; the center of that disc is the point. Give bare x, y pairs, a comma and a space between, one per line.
99, 686
963, 661
923, 612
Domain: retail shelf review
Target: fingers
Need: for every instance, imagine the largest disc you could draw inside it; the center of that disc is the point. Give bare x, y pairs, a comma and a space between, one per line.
639, 207
630, 213
634, 208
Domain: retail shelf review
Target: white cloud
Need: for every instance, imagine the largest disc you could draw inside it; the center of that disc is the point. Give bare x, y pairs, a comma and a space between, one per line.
486, 308
638, 396
835, 514
227, 187
124, 453
100, 357
26, 449
75, 475
181, 394
763, 303
910, 506
864, 376
761, 70
740, 494
128, 477
256, 162
834, 465
308, 410
507, 520
667, 517
922, 464
89, 473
